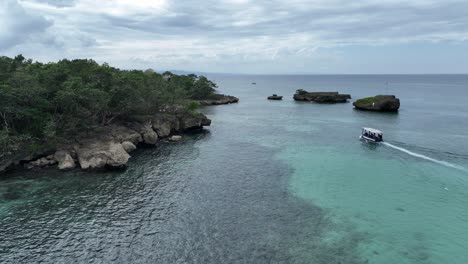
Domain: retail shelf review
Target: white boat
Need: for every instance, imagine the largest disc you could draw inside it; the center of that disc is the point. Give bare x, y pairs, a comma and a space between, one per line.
371, 135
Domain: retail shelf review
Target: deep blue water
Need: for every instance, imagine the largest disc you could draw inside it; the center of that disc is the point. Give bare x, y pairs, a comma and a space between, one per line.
269, 182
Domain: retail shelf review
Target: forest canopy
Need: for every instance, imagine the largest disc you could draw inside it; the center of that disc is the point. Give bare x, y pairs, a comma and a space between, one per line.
44, 100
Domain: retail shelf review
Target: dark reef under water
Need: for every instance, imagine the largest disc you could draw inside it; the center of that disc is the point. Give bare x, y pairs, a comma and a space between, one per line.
204, 200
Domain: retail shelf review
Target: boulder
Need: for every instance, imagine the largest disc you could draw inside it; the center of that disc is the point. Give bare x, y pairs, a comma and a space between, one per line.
218, 99
190, 121
150, 137
102, 154
43, 162
275, 97
128, 146
65, 160
379, 103
321, 97
165, 124
175, 138
6, 165
122, 133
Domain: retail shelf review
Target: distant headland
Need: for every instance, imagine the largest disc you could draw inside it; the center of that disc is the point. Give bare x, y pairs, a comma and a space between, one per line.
74, 113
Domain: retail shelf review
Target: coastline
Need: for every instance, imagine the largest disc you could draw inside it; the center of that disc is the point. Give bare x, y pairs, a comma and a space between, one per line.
109, 147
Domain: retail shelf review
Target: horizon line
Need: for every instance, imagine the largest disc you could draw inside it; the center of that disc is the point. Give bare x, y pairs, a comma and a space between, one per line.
259, 74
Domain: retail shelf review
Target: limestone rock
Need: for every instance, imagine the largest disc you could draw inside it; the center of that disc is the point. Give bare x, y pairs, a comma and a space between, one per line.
122, 133
219, 99
321, 97
165, 124
190, 121
379, 103
128, 146
175, 138
275, 97
102, 154
43, 162
65, 160
149, 136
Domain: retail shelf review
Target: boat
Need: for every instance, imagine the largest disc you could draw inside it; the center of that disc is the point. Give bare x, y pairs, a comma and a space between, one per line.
371, 135
254, 83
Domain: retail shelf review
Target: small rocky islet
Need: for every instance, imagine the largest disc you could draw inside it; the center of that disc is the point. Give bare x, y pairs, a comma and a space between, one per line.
321, 97
378, 103
275, 97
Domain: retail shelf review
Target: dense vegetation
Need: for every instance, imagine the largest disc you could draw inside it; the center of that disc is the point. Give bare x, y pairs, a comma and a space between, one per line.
47, 100
368, 100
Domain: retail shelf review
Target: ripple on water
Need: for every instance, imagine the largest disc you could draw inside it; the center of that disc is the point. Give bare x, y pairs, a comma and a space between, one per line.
187, 202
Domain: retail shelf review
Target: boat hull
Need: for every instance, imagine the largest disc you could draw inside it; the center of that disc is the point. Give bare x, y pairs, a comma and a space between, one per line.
368, 139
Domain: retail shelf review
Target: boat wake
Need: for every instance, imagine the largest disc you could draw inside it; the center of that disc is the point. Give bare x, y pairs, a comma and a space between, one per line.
441, 162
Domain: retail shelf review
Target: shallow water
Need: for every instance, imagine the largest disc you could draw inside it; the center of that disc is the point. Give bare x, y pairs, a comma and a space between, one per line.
269, 182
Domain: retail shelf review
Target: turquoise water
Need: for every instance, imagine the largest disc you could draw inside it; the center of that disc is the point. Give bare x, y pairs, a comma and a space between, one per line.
269, 182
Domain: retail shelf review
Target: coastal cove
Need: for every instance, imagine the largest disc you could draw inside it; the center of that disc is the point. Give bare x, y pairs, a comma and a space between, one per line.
269, 181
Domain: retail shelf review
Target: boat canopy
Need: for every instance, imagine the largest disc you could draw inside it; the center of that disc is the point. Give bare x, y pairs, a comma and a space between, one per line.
372, 130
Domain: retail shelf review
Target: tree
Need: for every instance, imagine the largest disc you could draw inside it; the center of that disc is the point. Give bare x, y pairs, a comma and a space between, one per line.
54, 99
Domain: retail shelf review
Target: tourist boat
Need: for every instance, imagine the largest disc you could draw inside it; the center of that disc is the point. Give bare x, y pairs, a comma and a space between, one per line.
371, 135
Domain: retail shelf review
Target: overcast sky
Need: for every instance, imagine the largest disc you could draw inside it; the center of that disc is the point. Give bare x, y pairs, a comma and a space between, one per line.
244, 36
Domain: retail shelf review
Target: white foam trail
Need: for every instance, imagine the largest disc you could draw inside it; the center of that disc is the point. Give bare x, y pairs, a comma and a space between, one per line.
441, 162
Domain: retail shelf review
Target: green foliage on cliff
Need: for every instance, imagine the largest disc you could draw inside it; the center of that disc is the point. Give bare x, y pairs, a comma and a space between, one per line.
301, 92
368, 100
46, 100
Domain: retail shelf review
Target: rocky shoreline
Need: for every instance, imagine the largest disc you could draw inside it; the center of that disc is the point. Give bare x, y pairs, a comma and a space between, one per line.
219, 99
107, 147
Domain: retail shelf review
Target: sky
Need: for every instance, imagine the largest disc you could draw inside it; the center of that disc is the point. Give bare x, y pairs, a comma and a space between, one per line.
244, 36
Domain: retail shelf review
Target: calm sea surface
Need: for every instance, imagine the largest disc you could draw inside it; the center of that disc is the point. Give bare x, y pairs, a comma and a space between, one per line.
269, 182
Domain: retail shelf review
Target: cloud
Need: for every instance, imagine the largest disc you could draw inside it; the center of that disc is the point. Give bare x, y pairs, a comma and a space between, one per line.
58, 3
17, 25
170, 33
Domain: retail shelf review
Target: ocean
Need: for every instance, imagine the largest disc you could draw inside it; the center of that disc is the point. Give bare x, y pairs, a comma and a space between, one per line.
268, 182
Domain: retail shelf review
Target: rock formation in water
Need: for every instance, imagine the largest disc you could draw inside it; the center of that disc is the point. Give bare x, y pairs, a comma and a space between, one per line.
379, 103
218, 99
321, 97
108, 146
175, 138
275, 97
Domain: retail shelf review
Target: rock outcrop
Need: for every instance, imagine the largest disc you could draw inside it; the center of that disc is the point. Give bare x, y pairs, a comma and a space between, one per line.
122, 133
65, 160
107, 146
98, 155
43, 162
193, 121
275, 97
379, 103
321, 97
165, 124
175, 138
149, 136
219, 99
129, 146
